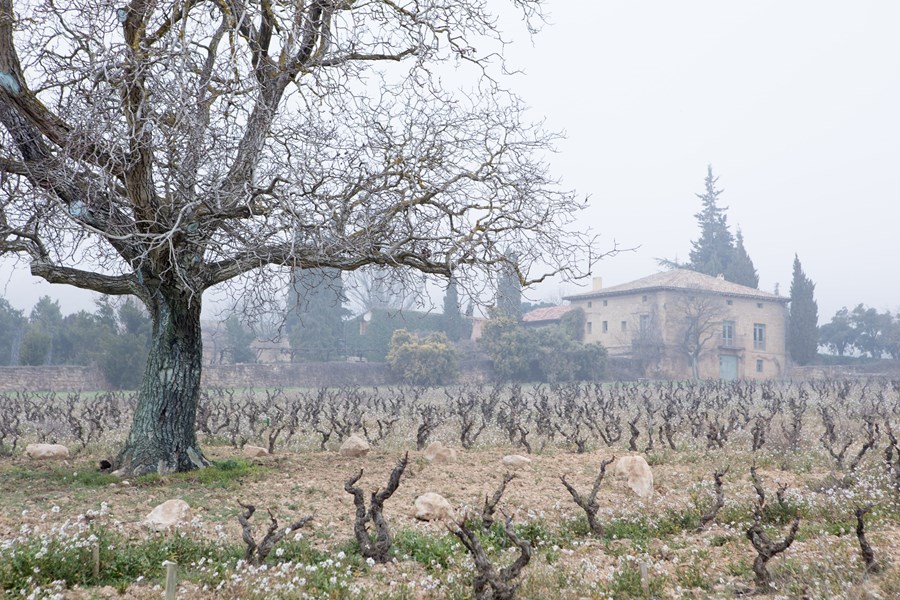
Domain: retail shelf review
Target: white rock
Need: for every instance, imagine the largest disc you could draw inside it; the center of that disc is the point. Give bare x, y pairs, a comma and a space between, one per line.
433, 507
254, 451
516, 461
636, 470
439, 453
354, 447
46, 451
170, 513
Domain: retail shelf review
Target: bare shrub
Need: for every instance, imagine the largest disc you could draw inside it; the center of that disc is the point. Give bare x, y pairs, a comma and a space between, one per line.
375, 545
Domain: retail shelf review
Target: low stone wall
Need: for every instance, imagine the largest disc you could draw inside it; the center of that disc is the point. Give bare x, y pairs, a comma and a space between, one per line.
51, 378
883, 368
329, 374
251, 375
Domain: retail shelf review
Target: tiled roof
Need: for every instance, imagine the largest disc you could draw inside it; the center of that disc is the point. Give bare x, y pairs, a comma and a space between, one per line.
681, 279
549, 313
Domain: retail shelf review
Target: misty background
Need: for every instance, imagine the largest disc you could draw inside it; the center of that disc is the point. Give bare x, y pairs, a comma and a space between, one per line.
793, 104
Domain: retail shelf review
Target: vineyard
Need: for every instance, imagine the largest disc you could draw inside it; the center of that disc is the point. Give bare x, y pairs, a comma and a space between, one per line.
789, 489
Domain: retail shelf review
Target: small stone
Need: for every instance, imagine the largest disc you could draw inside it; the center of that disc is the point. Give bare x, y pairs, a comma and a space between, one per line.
46, 451
438, 453
636, 470
354, 447
660, 550
516, 461
170, 513
254, 451
431, 506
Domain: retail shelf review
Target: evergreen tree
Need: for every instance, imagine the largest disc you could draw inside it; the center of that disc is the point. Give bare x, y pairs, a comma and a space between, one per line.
42, 339
81, 338
803, 332
315, 324
509, 292
740, 267
711, 254
12, 328
239, 340
452, 319
869, 327
124, 347
838, 334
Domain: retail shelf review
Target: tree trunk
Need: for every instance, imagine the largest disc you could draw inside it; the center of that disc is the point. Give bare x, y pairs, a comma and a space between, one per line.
162, 437
695, 367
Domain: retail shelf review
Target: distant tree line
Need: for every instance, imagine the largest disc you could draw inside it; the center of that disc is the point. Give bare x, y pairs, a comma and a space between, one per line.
115, 338
864, 331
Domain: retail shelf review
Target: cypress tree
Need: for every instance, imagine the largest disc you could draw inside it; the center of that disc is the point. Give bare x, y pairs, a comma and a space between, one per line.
803, 331
453, 319
315, 326
740, 268
509, 292
711, 253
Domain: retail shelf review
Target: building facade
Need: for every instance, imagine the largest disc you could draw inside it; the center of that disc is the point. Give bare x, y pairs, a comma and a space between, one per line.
680, 324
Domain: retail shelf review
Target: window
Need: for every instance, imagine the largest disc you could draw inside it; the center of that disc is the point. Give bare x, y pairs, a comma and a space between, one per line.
589, 304
624, 325
643, 298
590, 327
645, 323
729, 302
759, 305
759, 365
604, 303
605, 326
728, 333
759, 336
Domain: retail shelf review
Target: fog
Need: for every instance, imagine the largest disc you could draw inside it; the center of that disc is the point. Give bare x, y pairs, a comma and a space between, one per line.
794, 105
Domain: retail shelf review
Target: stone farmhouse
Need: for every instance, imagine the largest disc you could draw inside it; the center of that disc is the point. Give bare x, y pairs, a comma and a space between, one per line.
680, 324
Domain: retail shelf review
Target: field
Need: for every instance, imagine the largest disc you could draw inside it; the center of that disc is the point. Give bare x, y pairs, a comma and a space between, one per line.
821, 450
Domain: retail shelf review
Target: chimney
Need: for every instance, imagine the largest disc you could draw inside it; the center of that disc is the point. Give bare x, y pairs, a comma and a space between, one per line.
598, 284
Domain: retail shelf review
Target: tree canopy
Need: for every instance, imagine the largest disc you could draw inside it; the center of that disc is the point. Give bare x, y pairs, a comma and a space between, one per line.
157, 150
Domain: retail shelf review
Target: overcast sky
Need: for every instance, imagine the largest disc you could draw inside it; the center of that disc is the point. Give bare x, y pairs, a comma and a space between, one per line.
795, 104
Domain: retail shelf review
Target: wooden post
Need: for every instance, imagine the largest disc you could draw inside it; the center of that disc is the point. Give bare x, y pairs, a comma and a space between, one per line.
171, 583
645, 581
95, 560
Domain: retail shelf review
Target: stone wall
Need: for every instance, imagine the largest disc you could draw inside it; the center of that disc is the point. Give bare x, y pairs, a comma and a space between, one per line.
331, 374
251, 375
52, 378
882, 368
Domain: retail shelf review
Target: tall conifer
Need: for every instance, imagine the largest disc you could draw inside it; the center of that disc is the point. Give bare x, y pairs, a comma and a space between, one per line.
803, 331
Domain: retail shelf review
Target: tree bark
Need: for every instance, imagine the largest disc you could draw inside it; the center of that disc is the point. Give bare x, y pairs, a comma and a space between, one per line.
162, 437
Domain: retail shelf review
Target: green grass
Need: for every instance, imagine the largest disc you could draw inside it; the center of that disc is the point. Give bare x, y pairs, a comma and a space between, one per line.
221, 474
627, 584
41, 562
80, 475
431, 552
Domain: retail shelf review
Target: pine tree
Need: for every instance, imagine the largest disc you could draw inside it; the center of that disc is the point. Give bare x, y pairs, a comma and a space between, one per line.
315, 323
803, 332
453, 319
740, 268
711, 254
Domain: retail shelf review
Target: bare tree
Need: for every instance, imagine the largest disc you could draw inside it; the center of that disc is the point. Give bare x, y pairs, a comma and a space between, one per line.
648, 344
698, 316
158, 150
380, 287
